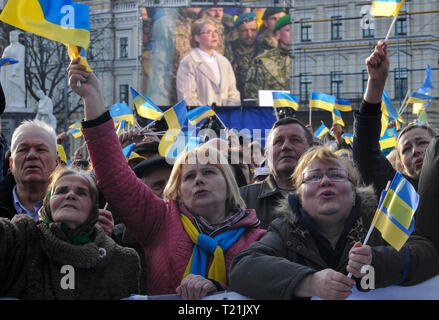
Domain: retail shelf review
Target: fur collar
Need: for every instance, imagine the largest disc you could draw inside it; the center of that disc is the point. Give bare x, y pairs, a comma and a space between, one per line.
366, 195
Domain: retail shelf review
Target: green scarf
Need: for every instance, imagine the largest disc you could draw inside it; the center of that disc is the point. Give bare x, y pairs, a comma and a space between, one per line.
77, 240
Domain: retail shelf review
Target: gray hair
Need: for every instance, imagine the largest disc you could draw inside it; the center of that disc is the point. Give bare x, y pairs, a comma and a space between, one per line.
33, 124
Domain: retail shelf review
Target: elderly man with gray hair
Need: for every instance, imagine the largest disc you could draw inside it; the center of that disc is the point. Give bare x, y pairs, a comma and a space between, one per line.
33, 159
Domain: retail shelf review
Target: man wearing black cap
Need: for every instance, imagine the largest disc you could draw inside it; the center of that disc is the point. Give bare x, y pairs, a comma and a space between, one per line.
243, 50
267, 38
271, 69
154, 172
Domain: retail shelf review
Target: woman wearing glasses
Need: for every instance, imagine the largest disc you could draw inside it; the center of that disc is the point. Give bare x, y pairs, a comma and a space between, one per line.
310, 249
204, 76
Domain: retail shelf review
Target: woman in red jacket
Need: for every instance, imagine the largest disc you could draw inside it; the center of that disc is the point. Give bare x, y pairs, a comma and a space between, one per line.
189, 238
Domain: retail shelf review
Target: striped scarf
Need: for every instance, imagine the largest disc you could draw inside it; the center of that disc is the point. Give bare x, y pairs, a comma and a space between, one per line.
203, 245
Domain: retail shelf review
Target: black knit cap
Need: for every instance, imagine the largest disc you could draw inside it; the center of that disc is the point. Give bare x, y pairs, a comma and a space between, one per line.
147, 166
270, 11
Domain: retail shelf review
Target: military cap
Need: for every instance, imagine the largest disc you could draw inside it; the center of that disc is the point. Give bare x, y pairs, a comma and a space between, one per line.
282, 22
270, 11
245, 18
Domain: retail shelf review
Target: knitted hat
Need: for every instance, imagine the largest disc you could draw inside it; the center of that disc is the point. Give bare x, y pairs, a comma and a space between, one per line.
282, 22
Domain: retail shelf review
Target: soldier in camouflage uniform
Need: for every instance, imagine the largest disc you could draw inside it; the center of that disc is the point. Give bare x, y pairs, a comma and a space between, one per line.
171, 42
267, 40
242, 51
271, 69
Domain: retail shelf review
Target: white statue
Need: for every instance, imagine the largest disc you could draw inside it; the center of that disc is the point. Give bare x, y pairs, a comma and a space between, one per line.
12, 76
45, 109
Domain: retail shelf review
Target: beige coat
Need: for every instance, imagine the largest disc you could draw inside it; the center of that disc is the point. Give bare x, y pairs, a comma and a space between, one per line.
196, 82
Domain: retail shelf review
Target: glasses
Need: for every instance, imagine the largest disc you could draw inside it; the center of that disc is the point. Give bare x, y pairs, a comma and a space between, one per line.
210, 32
333, 174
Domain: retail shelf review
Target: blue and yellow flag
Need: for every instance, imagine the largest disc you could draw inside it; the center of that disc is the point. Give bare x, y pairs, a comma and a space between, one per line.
398, 205
196, 115
336, 117
63, 21
389, 113
284, 99
322, 101
172, 142
388, 140
75, 129
121, 111
348, 138
321, 131
145, 107
422, 117
386, 8
7, 61
59, 20
343, 105
428, 81
121, 127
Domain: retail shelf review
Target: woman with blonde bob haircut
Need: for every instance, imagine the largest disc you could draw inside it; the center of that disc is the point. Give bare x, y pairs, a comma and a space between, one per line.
191, 236
310, 249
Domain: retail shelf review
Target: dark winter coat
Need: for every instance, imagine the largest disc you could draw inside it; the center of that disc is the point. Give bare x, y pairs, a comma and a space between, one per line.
32, 257
272, 267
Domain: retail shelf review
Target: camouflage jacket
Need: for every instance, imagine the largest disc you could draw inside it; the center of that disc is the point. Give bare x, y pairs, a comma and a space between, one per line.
171, 43
270, 71
241, 61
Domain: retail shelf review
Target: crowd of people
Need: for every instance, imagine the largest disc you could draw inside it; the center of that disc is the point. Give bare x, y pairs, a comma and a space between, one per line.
207, 56
290, 228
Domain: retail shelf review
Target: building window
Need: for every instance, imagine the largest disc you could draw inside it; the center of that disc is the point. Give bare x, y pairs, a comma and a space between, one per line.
403, 76
336, 28
123, 43
401, 26
305, 85
305, 31
336, 83
368, 26
123, 93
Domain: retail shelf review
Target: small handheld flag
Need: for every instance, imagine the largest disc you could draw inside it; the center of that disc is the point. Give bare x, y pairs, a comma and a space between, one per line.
145, 107
196, 115
121, 111
322, 101
386, 8
394, 216
321, 131
343, 105
336, 117
75, 129
175, 118
388, 140
7, 61
283, 99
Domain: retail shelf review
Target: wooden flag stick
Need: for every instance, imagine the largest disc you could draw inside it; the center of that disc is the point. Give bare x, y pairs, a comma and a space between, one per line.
373, 222
391, 27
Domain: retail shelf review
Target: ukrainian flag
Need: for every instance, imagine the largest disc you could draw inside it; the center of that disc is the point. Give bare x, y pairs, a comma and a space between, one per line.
145, 107
196, 115
172, 142
388, 140
122, 111
343, 105
59, 20
428, 82
121, 128
420, 98
283, 99
128, 150
78, 52
7, 61
75, 129
336, 117
422, 116
322, 101
321, 131
398, 206
348, 138
386, 8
